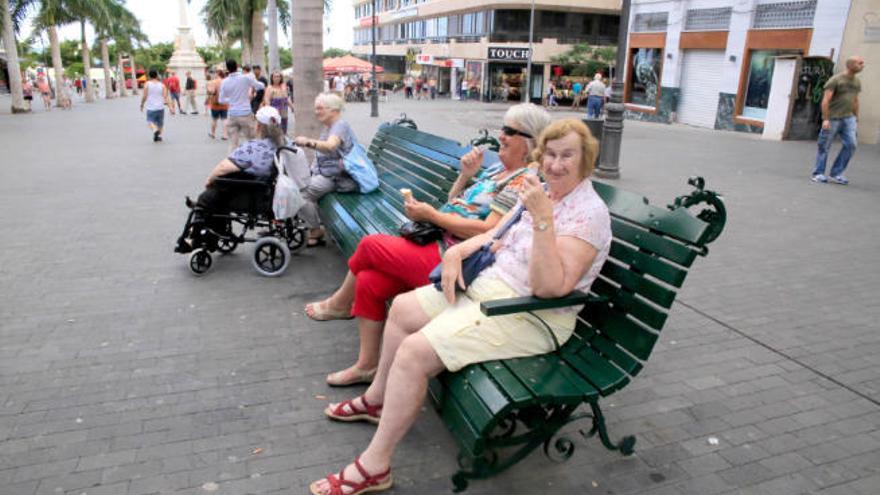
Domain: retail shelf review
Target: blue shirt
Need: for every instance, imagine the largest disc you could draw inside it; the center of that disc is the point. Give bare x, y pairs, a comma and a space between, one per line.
234, 91
577, 88
256, 157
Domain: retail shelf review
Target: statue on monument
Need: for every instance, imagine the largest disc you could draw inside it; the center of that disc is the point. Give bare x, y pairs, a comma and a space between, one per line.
185, 57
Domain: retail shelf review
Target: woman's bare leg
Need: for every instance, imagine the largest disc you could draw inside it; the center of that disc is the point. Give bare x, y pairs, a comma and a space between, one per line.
402, 381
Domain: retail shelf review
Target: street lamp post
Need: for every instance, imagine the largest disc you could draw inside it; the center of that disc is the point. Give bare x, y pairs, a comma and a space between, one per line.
528, 92
612, 129
374, 94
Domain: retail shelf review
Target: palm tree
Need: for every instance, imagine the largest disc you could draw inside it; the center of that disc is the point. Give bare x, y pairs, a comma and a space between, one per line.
307, 46
9, 41
124, 31
96, 12
278, 13
51, 15
118, 19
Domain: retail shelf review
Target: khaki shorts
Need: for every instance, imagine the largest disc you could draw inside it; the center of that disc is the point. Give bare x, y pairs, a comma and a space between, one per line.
461, 335
238, 128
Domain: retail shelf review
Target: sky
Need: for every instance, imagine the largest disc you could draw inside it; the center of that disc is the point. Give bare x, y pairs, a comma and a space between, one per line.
160, 18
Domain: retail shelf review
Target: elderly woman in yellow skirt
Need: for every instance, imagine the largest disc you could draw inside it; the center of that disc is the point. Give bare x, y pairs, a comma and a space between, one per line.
557, 245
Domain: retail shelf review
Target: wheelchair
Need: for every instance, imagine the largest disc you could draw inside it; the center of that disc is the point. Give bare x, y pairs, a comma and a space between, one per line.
246, 217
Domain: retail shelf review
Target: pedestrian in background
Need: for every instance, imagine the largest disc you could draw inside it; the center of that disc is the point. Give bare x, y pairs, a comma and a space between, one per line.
576, 96
172, 83
278, 98
66, 94
27, 89
219, 111
258, 94
595, 97
840, 115
45, 92
235, 92
190, 95
154, 100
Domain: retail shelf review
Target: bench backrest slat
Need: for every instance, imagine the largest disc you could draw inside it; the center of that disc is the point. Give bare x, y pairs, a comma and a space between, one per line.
417, 178
678, 224
632, 281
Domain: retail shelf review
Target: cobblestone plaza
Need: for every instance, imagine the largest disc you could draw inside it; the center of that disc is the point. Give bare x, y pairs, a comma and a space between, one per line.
121, 373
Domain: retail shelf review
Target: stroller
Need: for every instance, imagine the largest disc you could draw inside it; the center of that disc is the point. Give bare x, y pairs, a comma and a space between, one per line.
250, 208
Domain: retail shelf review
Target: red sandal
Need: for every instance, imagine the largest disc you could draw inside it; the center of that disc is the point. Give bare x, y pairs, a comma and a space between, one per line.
371, 482
371, 414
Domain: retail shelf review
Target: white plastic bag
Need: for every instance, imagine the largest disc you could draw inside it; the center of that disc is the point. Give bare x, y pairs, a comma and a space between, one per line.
287, 199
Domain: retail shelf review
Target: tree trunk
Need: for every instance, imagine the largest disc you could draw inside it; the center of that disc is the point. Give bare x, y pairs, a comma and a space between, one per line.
105, 61
15, 85
274, 60
87, 65
122, 91
57, 65
258, 36
134, 81
245, 52
307, 44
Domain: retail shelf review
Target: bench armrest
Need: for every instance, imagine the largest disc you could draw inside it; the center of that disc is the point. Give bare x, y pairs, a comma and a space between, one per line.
531, 303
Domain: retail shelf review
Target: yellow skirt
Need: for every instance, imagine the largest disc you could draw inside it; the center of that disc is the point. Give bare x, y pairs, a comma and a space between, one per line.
461, 335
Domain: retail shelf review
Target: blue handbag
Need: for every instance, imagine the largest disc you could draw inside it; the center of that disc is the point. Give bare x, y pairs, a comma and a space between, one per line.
480, 260
358, 165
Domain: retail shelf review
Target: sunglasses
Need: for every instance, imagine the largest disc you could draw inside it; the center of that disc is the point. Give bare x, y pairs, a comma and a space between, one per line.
510, 131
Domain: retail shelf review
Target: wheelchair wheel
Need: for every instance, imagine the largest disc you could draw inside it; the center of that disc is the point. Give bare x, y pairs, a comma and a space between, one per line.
200, 261
226, 246
271, 256
296, 238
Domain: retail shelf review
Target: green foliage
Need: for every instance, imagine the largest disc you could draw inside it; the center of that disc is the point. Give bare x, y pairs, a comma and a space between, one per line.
74, 69
585, 60
335, 52
154, 57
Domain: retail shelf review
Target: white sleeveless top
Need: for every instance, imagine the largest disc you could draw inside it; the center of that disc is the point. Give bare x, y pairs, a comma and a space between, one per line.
155, 101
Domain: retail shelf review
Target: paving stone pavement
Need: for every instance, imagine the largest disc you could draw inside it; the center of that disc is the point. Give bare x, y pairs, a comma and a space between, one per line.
120, 373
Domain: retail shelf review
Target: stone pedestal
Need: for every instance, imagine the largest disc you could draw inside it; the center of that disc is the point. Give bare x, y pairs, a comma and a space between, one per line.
185, 57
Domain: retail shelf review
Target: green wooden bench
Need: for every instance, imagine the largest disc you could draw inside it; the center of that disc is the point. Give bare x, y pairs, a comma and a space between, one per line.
500, 411
405, 158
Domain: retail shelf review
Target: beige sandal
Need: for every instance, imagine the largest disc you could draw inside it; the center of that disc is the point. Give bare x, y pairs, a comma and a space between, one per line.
326, 314
350, 376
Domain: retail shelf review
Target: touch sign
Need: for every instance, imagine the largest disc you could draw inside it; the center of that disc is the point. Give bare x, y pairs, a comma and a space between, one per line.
506, 53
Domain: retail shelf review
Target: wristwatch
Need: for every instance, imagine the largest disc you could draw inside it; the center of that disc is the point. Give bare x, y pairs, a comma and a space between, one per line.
541, 225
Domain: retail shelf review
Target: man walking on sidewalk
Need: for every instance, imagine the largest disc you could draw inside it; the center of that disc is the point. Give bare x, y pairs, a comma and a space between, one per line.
840, 113
235, 92
190, 95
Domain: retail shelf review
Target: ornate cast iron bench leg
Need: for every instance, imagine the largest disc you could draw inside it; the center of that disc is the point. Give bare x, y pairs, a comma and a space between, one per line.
627, 444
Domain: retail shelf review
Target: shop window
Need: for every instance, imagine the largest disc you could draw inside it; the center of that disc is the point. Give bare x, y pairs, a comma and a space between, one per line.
609, 26
760, 77
784, 15
650, 22
717, 19
552, 20
644, 76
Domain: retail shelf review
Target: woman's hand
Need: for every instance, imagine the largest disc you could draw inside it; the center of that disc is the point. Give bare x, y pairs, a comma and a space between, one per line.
471, 162
451, 274
535, 198
301, 141
418, 211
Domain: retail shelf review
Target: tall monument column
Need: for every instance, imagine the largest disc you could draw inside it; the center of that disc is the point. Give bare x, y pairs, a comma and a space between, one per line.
185, 57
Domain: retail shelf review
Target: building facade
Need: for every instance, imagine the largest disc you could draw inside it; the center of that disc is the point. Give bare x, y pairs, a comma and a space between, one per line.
481, 43
711, 63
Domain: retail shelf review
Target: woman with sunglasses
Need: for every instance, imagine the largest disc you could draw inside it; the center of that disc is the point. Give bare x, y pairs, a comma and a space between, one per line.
384, 266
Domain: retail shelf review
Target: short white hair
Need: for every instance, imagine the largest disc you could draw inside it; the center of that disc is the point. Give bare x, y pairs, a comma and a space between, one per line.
529, 118
331, 101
